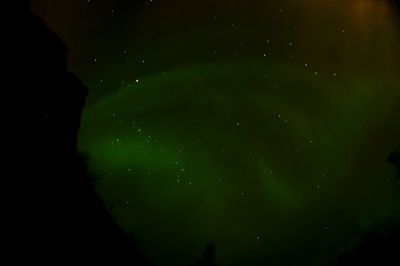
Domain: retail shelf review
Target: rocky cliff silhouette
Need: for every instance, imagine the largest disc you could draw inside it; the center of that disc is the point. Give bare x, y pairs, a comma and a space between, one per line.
51, 212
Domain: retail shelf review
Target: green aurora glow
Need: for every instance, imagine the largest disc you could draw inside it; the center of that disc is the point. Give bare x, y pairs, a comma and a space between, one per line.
261, 125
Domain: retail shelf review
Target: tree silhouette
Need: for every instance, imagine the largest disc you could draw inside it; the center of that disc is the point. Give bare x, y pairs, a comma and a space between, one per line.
208, 257
394, 158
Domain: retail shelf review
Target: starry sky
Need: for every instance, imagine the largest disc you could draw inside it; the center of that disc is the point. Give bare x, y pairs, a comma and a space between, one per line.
263, 126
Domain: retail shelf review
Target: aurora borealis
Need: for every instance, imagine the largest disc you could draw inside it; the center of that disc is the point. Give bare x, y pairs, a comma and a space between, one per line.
263, 126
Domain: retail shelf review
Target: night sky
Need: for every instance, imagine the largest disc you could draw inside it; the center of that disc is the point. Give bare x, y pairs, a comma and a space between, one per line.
263, 126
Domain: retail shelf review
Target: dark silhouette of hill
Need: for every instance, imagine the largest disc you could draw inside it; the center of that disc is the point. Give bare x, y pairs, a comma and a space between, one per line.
51, 212
377, 248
